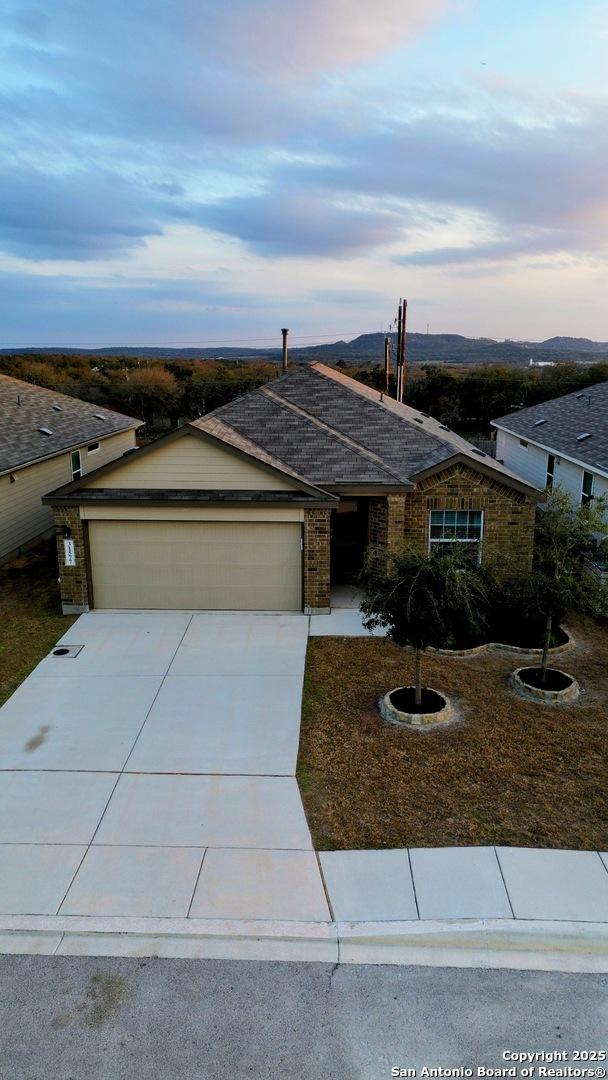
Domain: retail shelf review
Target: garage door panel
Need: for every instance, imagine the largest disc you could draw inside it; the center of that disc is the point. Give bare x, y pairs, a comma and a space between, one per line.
196, 565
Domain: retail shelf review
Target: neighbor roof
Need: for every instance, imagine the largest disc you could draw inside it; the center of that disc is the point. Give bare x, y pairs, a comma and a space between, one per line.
560, 423
337, 432
36, 423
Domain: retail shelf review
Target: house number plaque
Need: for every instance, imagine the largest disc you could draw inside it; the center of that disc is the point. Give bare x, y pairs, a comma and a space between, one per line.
69, 553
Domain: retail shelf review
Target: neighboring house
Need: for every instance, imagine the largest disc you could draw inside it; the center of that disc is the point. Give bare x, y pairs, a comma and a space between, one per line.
269, 500
48, 439
561, 443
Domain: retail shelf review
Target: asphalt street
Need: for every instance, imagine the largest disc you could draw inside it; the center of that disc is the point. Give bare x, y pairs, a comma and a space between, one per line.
64, 1018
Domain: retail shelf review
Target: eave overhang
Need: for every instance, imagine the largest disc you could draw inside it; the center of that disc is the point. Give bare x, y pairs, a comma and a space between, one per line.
187, 497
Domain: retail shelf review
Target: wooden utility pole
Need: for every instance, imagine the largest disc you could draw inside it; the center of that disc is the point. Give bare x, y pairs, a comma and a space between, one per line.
387, 362
284, 332
398, 356
403, 352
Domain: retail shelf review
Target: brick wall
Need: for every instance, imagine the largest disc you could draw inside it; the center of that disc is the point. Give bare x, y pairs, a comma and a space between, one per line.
73, 579
508, 515
316, 561
386, 520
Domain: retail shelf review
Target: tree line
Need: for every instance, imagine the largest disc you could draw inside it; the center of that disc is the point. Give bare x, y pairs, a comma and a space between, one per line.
162, 393
468, 399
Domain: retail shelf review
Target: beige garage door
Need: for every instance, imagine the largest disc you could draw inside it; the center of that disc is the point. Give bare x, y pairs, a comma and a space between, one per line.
224, 565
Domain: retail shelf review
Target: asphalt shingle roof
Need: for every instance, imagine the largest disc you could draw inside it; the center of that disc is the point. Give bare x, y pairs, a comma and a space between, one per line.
317, 455
25, 408
334, 431
565, 419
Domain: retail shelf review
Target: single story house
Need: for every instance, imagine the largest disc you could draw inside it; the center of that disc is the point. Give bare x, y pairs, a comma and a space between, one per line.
269, 500
561, 443
46, 440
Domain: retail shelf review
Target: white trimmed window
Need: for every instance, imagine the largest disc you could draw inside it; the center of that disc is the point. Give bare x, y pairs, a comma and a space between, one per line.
550, 471
75, 465
92, 448
587, 488
449, 529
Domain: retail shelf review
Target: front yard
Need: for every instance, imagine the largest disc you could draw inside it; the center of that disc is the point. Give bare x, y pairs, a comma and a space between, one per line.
30, 615
508, 772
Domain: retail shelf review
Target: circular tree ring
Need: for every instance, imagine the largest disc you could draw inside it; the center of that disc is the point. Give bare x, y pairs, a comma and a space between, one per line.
558, 687
398, 707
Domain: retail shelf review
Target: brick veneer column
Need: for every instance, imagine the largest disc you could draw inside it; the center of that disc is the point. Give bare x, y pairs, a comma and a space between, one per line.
317, 599
74, 580
386, 520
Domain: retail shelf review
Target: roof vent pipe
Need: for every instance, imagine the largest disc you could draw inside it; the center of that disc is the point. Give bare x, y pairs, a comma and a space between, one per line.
284, 332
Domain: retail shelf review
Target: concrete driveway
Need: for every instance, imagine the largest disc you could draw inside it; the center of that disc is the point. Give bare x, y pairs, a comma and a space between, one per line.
150, 772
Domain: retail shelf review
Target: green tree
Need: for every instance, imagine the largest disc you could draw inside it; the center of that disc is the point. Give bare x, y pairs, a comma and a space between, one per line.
561, 579
152, 392
424, 600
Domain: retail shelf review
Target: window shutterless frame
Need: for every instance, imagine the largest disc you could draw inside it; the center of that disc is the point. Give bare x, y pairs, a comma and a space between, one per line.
586, 488
76, 464
450, 527
550, 471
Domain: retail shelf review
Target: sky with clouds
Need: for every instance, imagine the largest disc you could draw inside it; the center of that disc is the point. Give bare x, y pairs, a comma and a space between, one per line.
199, 172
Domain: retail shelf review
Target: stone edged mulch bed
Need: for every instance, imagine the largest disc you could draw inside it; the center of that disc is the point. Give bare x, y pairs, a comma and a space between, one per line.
515, 650
398, 707
560, 687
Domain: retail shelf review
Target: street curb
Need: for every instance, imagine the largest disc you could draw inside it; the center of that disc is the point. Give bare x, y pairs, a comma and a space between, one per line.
477, 943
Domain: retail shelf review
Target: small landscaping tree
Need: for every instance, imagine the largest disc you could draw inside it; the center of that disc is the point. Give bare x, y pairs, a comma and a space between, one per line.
435, 600
562, 579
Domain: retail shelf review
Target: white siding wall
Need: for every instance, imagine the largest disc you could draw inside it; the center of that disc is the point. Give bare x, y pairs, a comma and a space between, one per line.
531, 464
22, 516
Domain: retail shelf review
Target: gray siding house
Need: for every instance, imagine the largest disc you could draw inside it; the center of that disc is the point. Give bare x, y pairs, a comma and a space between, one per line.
48, 439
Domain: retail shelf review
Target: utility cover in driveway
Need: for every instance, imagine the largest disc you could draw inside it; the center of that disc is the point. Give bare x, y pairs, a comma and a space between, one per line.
209, 565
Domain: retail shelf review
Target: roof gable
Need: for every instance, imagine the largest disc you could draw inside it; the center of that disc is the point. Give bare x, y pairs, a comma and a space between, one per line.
36, 423
191, 459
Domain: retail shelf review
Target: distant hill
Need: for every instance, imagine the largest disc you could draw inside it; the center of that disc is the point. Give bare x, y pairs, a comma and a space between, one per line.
576, 344
369, 348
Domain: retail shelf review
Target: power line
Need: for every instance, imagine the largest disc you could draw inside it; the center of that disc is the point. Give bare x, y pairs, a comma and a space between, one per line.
198, 343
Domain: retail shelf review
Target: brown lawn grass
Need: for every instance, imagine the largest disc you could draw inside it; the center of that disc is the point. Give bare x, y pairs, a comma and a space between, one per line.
508, 772
30, 615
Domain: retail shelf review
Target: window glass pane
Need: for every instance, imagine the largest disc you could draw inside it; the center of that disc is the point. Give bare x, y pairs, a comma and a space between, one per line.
587, 483
448, 527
